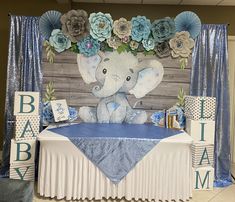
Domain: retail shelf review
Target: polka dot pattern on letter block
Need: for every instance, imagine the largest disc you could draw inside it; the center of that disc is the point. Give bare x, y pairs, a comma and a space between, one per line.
27, 127
193, 107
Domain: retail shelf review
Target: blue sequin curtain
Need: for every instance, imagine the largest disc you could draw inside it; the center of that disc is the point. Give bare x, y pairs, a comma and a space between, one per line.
209, 77
23, 72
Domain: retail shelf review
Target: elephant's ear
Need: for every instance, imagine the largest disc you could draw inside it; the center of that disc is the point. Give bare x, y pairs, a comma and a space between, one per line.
87, 67
150, 76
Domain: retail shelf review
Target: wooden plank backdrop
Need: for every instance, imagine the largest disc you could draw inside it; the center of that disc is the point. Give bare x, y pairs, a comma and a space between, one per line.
69, 85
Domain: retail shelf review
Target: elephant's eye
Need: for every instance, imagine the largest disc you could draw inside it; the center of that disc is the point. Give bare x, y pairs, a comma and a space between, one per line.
128, 78
104, 71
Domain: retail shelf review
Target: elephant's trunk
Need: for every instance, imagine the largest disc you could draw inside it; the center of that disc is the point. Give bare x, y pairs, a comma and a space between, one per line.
110, 87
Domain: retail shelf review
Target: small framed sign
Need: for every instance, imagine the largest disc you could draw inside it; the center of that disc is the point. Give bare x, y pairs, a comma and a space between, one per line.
60, 110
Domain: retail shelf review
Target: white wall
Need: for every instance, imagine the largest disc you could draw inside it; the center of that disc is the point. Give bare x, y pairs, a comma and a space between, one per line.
231, 55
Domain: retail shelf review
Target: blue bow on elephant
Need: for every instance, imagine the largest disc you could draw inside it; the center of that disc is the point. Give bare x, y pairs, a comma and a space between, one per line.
118, 74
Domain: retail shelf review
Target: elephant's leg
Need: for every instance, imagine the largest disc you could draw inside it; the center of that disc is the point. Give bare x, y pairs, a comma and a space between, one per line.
103, 114
134, 116
118, 115
88, 114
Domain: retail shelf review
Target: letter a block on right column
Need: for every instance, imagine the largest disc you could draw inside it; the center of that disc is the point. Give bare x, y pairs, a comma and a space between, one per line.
201, 131
203, 178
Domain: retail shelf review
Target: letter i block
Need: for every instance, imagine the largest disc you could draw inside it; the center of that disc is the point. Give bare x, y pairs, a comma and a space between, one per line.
202, 155
27, 127
201, 131
22, 172
26, 103
203, 178
22, 152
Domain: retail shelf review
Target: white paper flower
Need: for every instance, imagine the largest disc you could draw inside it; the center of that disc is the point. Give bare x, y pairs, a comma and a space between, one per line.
181, 45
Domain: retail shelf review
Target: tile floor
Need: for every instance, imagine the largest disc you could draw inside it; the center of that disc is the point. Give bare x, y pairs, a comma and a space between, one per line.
217, 195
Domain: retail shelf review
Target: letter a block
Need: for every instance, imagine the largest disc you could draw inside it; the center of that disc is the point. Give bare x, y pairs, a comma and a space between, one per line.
27, 127
202, 155
26, 103
201, 131
22, 152
203, 178
22, 172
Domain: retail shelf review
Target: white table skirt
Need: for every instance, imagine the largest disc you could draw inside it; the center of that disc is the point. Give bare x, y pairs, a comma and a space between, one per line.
165, 173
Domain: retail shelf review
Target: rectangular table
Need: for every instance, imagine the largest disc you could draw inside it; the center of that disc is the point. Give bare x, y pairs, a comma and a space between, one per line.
165, 173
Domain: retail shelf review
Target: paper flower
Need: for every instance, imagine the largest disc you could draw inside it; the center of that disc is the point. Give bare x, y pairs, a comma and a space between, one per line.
75, 25
88, 46
188, 21
49, 21
122, 28
126, 39
140, 28
73, 114
114, 42
148, 44
134, 45
47, 114
162, 49
181, 45
101, 26
158, 118
163, 29
59, 41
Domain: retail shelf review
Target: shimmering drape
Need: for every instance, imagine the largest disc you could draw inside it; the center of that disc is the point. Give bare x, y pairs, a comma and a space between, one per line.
210, 77
23, 71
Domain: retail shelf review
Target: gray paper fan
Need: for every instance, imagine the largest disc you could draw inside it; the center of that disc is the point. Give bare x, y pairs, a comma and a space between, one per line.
48, 21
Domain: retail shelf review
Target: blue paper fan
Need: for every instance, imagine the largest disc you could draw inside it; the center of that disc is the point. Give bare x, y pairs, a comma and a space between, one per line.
188, 21
49, 21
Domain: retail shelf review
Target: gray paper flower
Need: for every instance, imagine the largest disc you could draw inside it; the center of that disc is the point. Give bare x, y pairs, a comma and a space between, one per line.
75, 25
162, 49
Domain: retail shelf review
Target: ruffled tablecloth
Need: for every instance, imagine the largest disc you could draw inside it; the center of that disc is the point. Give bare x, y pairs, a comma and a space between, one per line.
165, 173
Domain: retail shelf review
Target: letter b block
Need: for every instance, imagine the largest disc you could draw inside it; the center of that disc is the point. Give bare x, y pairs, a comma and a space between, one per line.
22, 152
201, 131
203, 178
26, 103
27, 127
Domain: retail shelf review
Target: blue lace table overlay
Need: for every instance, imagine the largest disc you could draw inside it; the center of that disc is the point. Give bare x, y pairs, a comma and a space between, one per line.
114, 148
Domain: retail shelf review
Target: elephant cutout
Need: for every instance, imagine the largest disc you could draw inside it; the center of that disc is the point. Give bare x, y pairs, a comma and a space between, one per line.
118, 74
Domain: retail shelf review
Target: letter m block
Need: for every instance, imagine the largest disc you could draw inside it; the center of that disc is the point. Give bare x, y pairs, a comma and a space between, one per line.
22, 152
203, 178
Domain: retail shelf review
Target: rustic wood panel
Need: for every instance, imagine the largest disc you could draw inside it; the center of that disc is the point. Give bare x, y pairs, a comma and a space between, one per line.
69, 84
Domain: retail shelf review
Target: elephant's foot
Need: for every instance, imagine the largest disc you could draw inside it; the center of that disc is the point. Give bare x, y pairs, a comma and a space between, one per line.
136, 117
88, 114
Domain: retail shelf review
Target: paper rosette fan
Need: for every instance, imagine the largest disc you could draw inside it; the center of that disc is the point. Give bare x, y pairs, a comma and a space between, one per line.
49, 21
188, 21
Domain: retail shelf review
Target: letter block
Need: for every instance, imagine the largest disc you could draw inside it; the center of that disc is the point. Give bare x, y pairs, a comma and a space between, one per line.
22, 172
22, 152
203, 178
202, 155
26, 103
201, 131
27, 127
200, 108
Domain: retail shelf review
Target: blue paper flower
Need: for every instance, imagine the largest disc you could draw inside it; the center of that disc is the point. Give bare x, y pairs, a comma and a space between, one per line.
49, 21
101, 26
73, 114
158, 118
59, 41
188, 21
163, 29
140, 28
88, 46
47, 114
148, 44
